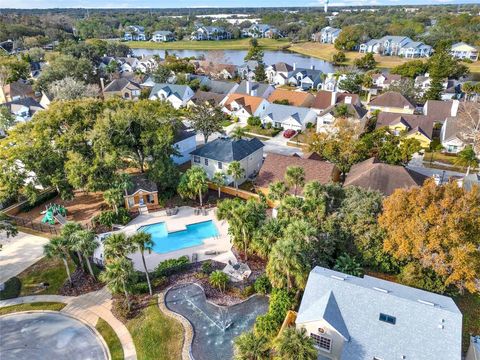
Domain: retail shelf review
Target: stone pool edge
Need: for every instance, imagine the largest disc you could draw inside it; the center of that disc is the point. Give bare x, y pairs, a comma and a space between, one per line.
186, 324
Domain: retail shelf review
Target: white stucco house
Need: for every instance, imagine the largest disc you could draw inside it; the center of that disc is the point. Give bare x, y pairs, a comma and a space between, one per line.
163, 36
278, 73
289, 117
218, 154
327, 35
184, 143
352, 318
398, 46
463, 50
177, 95
450, 136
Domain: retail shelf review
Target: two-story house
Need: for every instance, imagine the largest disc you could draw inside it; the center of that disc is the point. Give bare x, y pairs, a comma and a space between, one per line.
391, 101
354, 113
383, 81
127, 64
123, 88
247, 70
305, 79
327, 35
135, 33
253, 88
277, 73
210, 33
244, 106
184, 143
23, 109
177, 95
260, 31
163, 36
463, 50
352, 318
217, 155
396, 45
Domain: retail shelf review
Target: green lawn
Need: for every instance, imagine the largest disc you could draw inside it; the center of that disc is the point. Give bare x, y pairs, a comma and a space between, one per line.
155, 335
469, 305
51, 271
234, 44
262, 131
111, 338
53, 306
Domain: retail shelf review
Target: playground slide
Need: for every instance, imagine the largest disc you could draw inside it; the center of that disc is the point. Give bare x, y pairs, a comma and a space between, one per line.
49, 218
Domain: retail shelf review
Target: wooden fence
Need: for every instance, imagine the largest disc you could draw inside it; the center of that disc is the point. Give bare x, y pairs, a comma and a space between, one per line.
243, 194
37, 226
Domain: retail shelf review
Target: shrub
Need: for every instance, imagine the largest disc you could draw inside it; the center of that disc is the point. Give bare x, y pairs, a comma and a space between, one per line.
339, 57
219, 280
140, 288
268, 125
262, 285
280, 302
207, 267
254, 121
248, 291
109, 217
171, 266
12, 289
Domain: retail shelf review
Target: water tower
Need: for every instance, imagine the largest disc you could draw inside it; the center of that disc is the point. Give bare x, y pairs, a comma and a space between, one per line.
325, 7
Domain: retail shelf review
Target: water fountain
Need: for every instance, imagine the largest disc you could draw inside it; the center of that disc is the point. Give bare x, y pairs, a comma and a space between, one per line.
214, 326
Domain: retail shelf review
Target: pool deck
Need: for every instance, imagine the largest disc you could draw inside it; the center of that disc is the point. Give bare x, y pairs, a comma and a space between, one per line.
185, 216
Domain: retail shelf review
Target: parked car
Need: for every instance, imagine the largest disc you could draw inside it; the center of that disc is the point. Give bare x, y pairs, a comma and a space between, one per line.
289, 133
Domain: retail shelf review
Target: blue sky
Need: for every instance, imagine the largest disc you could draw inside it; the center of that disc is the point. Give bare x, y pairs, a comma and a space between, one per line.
205, 3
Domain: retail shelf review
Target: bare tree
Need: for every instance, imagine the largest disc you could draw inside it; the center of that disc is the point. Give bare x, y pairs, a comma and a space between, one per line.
469, 124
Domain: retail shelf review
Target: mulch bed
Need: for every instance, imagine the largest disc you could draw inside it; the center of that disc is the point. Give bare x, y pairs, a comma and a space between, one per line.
83, 283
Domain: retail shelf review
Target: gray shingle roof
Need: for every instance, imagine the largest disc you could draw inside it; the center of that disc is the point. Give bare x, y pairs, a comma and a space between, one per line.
228, 150
120, 84
428, 326
141, 182
220, 87
171, 89
280, 113
261, 88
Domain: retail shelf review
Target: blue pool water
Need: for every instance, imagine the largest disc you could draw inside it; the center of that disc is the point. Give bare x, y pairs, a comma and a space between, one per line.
193, 236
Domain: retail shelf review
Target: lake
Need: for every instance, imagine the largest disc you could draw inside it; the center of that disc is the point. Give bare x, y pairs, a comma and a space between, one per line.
236, 57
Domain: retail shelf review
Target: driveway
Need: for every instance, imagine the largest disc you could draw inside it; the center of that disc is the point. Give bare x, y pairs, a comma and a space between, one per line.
18, 253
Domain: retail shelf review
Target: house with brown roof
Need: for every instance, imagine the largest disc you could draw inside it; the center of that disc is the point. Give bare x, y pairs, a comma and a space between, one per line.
441, 109
419, 127
275, 166
123, 88
206, 98
383, 81
215, 70
142, 195
243, 106
392, 102
294, 98
16, 90
453, 138
324, 99
374, 175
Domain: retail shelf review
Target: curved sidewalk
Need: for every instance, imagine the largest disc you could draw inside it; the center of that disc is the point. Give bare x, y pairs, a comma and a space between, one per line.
88, 307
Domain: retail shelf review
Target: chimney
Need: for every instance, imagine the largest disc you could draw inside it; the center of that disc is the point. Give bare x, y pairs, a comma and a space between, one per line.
294, 66
102, 83
334, 98
312, 67
454, 109
348, 100
248, 87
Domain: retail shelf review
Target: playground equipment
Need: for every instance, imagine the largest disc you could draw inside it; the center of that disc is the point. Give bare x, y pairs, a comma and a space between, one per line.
54, 212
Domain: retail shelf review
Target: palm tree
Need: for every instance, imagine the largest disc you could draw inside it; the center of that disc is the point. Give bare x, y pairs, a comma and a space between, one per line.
266, 236
143, 241
288, 265
277, 191
116, 246
295, 344
237, 133
193, 183
58, 247
118, 275
295, 176
85, 243
468, 89
249, 346
219, 280
67, 231
219, 180
236, 171
467, 159
348, 265
113, 197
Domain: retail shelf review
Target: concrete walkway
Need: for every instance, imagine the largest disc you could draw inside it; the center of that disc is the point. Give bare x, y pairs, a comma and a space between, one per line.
18, 253
89, 308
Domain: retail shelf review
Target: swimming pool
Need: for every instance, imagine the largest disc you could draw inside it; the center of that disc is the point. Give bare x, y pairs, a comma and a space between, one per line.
193, 235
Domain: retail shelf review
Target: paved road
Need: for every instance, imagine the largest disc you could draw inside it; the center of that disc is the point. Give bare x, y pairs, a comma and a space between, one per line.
18, 253
430, 172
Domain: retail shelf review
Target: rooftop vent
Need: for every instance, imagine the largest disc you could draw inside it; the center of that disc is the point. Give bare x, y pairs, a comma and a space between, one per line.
426, 302
337, 277
381, 290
